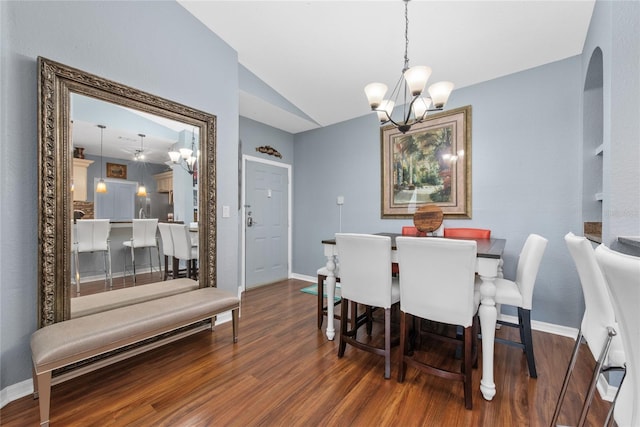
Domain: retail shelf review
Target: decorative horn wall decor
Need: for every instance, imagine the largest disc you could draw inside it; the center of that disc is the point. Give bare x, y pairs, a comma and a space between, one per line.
266, 149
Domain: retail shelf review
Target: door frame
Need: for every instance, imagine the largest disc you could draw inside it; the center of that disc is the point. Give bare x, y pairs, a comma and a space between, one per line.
243, 213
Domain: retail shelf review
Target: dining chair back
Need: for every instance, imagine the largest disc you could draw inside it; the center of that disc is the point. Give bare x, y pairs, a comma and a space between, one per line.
183, 249
519, 293
167, 248
92, 235
143, 236
437, 284
598, 327
467, 233
622, 275
365, 278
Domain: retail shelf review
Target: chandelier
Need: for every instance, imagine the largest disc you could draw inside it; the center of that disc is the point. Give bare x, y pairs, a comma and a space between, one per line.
184, 156
408, 91
139, 154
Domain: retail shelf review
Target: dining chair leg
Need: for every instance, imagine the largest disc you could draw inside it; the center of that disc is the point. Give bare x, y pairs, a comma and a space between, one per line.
320, 313
594, 378
527, 339
133, 263
467, 366
387, 343
344, 313
402, 366
609, 420
567, 376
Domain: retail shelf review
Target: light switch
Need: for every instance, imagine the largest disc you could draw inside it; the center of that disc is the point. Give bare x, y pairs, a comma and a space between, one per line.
226, 212
340, 200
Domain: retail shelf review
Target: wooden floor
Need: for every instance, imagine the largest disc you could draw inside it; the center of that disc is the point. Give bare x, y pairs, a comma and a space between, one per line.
284, 372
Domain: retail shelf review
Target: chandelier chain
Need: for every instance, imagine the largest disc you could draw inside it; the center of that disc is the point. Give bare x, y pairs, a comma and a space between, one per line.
406, 35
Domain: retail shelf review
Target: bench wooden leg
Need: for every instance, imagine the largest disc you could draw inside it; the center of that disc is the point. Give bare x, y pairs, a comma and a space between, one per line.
234, 320
42, 389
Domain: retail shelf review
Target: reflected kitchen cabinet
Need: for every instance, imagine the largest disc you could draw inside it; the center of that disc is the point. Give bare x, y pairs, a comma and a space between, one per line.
164, 182
80, 179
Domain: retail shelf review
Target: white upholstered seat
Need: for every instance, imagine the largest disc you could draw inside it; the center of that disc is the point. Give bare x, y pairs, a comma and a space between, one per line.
365, 278
598, 327
92, 235
519, 293
437, 283
622, 275
143, 236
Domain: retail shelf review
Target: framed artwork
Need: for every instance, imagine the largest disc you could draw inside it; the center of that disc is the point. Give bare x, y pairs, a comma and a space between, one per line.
430, 164
116, 170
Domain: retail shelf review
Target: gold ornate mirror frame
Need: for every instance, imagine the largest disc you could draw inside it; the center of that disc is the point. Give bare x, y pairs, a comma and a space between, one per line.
56, 83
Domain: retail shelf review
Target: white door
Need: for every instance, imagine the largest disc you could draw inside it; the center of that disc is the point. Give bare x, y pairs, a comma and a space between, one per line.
266, 223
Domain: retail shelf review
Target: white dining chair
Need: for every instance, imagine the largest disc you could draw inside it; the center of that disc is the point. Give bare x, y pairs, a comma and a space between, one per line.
437, 279
598, 328
519, 293
143, 236
92, 235
622, 275
167, 249
365, 278
183, 249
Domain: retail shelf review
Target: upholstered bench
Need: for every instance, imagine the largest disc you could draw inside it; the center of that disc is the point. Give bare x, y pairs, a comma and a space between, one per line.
71, 341
90, 304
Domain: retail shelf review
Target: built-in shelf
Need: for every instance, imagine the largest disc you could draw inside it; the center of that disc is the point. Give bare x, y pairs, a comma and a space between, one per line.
630, 240
599, 150
593, 231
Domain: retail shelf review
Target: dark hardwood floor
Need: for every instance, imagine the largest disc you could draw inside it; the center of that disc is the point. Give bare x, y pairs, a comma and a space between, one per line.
283, 371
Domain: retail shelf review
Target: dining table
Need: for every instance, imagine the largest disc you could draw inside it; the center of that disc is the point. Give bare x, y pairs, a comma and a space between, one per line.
488, 267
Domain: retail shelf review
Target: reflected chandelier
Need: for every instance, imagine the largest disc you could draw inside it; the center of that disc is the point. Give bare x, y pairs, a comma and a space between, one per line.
186, 155
409, 89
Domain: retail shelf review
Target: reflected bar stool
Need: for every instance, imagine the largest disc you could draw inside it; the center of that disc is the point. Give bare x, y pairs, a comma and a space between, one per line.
144, 236
167, 250
92, 235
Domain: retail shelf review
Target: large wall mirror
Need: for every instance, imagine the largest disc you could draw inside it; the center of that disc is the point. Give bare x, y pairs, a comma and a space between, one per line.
92, 129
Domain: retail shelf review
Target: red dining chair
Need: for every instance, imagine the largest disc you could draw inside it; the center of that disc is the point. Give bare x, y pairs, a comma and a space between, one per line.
468, 233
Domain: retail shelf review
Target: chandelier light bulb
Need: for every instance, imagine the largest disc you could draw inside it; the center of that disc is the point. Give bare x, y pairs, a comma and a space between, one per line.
101, 187
416, 78
375, 94
385, 109
421, 106
440, 93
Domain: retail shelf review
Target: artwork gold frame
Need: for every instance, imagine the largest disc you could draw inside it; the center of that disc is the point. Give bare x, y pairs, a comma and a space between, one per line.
430, 164
116, 170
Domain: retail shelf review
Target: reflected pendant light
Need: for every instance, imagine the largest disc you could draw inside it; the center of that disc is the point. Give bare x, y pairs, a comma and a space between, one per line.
101, 187
142, 190
408, 92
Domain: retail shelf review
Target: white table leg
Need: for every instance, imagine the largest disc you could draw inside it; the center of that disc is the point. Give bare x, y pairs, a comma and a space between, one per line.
330, 286
488, 270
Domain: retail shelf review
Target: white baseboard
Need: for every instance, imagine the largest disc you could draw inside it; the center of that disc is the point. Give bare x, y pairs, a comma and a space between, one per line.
15, 391
297, 276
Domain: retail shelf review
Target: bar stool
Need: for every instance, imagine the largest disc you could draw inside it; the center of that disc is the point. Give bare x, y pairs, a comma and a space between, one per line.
92, 235
143, 236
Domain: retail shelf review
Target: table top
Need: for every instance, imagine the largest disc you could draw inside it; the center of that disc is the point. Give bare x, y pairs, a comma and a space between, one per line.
487, 248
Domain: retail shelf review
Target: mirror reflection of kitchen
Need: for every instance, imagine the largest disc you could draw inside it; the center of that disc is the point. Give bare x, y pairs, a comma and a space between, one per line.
128, 164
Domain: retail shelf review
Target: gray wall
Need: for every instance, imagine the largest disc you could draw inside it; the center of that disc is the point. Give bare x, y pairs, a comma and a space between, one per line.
157, 47
255, 134
525, 173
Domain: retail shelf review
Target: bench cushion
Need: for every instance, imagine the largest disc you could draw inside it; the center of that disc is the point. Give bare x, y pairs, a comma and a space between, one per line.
73, 340
95, 303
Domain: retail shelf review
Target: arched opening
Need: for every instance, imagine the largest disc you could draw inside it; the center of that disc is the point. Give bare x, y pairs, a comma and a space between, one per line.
592, 135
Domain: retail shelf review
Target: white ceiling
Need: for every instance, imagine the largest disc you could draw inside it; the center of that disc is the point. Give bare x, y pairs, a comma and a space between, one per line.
320, 54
